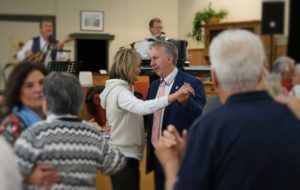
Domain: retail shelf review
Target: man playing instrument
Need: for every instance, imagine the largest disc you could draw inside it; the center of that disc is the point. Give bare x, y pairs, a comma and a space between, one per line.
43, 48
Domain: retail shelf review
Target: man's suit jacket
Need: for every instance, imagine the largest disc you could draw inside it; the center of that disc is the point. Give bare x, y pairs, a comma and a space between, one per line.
176, 114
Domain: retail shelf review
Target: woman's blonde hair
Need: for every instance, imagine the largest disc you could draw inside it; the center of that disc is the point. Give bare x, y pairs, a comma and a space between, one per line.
124, 62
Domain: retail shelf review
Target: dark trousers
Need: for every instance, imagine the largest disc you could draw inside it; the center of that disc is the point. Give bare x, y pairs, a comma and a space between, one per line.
128, 177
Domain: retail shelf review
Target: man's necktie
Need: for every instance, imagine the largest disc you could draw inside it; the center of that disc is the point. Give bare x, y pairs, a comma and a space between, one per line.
157, 117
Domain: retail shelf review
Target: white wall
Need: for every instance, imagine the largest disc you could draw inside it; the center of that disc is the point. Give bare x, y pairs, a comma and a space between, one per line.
126, 19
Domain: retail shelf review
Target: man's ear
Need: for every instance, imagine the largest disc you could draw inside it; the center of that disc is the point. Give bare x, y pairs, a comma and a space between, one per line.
262, 75
261, 79
170, 60
214, 78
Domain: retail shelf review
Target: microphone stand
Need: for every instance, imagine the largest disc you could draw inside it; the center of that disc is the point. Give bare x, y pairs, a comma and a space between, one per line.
133, 43
161, 36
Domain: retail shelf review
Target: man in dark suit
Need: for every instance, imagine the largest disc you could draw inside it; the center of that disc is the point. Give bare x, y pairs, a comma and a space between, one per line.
181, 113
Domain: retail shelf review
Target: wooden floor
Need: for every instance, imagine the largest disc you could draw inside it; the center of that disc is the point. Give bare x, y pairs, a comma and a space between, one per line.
147, 182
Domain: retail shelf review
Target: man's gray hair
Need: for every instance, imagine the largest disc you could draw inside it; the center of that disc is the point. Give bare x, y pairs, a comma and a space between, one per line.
63, 93
282, 64
169, 48
237, 56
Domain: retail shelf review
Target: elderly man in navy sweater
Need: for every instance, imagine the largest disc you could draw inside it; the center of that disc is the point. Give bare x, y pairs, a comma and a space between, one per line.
250, 142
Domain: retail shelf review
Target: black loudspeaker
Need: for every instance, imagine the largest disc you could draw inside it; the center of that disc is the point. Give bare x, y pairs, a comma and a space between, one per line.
182, 51
272, 17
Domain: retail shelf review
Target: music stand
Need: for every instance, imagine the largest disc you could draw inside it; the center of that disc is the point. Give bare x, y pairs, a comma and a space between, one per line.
64, 66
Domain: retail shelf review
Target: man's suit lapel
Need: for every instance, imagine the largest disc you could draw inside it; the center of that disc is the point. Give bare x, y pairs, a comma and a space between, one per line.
177, 84
153, 92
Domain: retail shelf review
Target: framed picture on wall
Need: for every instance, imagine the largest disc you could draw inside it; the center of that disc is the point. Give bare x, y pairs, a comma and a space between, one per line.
91, 20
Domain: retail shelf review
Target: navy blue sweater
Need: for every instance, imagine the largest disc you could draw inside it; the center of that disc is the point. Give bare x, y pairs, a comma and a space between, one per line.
251, 142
